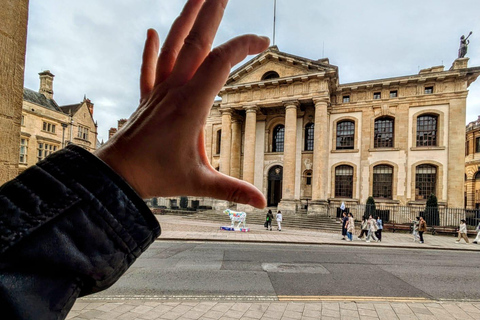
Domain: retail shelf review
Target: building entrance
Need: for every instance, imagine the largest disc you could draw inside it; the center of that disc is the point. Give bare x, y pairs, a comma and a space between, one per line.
275, 179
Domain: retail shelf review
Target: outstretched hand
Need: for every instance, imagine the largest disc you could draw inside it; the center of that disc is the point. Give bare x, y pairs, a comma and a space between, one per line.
160, 151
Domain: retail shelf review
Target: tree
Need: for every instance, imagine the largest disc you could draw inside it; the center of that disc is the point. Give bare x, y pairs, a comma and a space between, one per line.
370, 207
432, 201
431, 214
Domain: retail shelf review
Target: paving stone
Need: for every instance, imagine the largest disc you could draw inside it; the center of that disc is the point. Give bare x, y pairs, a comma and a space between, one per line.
276, 306
292, 314
170, 315
330, 313
141, 309
192, 314
350, 314
296, 307
367, 313
223, 307
241, 307
312, 313
272, 315
213, 314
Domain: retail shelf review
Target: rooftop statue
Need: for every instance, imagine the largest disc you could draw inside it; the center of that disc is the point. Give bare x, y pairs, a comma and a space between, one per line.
463, 45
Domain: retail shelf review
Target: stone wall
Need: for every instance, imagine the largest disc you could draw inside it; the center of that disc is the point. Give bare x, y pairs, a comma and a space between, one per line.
13, 37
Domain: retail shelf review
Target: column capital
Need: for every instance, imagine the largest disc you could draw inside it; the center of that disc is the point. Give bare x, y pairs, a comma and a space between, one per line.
291, 104
225, 111
324, 101
252, 109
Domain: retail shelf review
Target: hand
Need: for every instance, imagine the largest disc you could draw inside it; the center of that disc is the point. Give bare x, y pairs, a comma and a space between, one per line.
160, 151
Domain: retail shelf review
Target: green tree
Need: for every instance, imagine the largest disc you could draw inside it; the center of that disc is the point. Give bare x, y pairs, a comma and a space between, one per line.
370, 207
432, 201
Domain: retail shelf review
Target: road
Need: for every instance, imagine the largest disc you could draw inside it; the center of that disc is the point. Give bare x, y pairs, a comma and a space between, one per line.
272, 272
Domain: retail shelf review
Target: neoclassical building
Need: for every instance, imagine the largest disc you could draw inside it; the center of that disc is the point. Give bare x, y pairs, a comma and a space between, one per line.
285, 124
472, 165
47, 127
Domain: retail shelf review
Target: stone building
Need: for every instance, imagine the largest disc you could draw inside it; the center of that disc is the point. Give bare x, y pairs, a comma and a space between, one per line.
287, 125
47, 127
472, 165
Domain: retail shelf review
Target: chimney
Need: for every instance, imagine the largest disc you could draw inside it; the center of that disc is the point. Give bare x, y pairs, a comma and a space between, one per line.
46, 84
121, 122
111, 132
89, 105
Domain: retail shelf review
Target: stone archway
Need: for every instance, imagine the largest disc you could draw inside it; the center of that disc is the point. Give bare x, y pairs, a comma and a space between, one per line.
275, 180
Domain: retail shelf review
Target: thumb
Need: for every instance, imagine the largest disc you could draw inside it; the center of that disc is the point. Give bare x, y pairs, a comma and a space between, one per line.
220, 186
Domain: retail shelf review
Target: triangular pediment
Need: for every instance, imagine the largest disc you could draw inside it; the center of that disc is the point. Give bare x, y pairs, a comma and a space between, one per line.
273, 63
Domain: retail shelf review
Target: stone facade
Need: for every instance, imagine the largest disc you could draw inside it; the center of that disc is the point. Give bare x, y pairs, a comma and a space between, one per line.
47, 127
286, 124
13, 39
472, 165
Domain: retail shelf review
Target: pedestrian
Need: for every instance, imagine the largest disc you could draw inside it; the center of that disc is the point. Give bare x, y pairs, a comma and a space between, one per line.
344, 225
372, 228
364, 227
422, 227
477, 239
268, 220
350, 227
415, 224
462, 232
379, 228
279, 219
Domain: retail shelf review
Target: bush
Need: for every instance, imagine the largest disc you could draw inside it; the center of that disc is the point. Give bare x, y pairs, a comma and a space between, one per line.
370, 208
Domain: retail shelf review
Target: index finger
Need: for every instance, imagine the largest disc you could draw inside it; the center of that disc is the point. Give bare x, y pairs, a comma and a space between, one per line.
199, 41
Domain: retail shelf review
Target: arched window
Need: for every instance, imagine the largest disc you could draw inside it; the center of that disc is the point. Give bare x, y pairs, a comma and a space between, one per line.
278, 138
308, 177
344, 181
270, 75
383, 132
309, 131
382, 181
345, 135
219, 142
427, 128
425, 181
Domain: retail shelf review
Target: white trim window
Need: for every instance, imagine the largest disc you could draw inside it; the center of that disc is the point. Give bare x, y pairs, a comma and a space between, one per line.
82, 133
23, 150
48, 127
45, 149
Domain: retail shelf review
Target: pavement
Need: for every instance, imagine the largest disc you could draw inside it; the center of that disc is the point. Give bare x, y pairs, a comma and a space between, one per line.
175, 228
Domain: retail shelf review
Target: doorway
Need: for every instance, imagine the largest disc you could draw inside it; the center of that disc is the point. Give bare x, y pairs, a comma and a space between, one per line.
275, 179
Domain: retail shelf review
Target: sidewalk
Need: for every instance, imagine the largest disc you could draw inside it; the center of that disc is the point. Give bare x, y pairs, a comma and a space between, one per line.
286, 308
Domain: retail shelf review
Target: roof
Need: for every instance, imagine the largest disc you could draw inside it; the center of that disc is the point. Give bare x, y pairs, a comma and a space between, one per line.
71, 109
40, 99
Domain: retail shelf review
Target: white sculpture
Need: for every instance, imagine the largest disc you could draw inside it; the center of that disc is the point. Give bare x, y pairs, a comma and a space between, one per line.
236, 216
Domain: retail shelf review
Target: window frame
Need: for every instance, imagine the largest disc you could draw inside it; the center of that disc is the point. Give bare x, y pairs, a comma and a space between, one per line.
309, 141
477, 144
423, 196
341, 133
381, 142
380, 182
377, 95
429, 142
44, 149
48, 127
275, 143
218, 142
82, 132
343, 188
393, 93
428, 90
25, 153
346, 99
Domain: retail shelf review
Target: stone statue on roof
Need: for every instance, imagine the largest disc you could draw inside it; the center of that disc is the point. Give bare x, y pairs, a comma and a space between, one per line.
463, 45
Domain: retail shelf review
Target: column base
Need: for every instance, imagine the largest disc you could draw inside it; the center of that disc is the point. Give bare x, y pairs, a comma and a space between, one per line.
319, 207
288, 206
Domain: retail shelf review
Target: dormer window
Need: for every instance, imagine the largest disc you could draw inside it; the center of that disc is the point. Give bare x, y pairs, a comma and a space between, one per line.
346, 99
429, 90
270, 75
377, 95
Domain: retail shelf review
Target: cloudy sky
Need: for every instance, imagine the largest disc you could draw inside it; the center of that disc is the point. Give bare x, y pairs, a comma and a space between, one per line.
94, 46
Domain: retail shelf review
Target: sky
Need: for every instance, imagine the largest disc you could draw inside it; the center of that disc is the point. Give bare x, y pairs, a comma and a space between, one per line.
94, 47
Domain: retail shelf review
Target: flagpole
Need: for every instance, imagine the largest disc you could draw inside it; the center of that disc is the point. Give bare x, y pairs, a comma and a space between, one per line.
274, 18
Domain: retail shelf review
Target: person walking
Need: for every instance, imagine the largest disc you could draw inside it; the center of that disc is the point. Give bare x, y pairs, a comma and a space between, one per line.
364, 227
372, 228
378, 233
462, 232
269, 218
477, 239
279, 219
422, 227
344, 225
415, 224
350, 227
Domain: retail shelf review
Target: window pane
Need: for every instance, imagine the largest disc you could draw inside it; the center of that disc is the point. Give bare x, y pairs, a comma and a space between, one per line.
345, 135
383, 135
425, 181
309, 132
278, 138
344, 182
382, 181
426, 131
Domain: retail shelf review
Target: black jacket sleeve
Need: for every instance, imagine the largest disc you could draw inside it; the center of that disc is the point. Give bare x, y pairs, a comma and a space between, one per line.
69, 226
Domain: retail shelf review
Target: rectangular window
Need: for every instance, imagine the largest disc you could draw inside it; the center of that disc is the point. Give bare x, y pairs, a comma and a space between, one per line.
82, 133
377, 95
23, 150
477, 144
346, 99
393, 94
428, 90
44, 150
49, 127
467, 146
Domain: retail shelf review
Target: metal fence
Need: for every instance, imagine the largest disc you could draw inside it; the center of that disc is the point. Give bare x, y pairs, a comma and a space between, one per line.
443, 217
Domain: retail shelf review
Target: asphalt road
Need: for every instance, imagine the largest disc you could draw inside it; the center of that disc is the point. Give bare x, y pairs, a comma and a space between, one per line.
269, 271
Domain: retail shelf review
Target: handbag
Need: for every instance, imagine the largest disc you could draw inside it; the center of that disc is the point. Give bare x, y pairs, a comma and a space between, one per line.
265, 224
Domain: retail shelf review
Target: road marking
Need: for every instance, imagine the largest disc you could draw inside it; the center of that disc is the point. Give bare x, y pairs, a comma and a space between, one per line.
353, 298
181, 297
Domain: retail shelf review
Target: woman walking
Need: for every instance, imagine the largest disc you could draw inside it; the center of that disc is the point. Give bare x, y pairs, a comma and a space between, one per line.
422, 227
350, 227
372, 228
378, 233
269, 218
344, 225
462, 231
364, 227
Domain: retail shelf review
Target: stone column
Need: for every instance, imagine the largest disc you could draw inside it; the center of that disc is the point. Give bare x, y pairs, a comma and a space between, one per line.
236, 148
320, 158
225, 151
249, 148
456, 154
13, 39
289, 157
